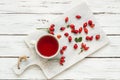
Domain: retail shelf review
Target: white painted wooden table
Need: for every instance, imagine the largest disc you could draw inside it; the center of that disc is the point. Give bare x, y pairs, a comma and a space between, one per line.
18, 18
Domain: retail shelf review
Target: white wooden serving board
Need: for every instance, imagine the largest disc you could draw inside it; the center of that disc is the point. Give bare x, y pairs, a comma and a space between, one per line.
52, 68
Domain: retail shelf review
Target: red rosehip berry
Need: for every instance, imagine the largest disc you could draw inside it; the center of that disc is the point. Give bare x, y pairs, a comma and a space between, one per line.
85, 24
86, 48
92, 25
59, 36
66, 34
62, 28
73, 30
72, 26
64, 48
62, 60
90, 22
91, 38
61, 63
51, 32
69, 38
75, 46
63, 57
61, 52
51, 29
83, 45
52, 26
80, 29
97, 37
87, 37
66, 19
86, 30
76, 31
78, 16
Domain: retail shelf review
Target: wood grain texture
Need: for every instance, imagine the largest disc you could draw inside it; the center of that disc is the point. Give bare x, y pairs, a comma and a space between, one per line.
89, 68
15, 46
60, 6
18, 18
26, 16
27, 23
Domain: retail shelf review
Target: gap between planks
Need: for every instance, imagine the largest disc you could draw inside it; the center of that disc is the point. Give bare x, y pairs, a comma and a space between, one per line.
28, 57
27, 34
60, 13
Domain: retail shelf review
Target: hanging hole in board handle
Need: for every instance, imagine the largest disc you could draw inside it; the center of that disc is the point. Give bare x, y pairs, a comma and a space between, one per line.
20, 59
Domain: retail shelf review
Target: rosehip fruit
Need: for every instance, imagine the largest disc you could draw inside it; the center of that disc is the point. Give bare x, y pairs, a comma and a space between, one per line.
86, 30
75, 46
85, 24
97, 37
66, 19
62, 28
78, 16
66, 34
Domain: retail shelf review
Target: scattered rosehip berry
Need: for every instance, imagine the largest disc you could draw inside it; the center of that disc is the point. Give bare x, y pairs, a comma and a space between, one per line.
69, 38
61, 52
85, 24
90, 22
83, 45
61, 63
92, 25
91, 38
97, 37
86, 48
51, 32
87, 37
76, 31
62, 60
78, 16
52, 26
75, 46
64, 48
72, 26
51, 29
63, 57
58, 36
86, 30
66, 34
73, 30
80, 29
62, 28
66, 19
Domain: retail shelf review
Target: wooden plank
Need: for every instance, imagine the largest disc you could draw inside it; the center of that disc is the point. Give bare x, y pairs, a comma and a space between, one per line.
6, 69
15, 46
26, 23
60, 6
89, 68
20, 17
104, 6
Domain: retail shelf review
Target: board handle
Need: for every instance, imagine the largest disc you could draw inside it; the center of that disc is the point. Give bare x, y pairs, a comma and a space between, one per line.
23, 64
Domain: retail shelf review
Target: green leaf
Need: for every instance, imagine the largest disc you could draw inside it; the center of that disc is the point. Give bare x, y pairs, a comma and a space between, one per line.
79, 39
76, 39
68, 26
48, 31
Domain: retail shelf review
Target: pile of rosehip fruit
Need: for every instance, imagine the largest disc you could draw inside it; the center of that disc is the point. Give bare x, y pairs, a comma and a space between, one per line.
73, 30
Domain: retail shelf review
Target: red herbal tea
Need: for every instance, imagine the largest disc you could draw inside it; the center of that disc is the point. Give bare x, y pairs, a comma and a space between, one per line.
47, 46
